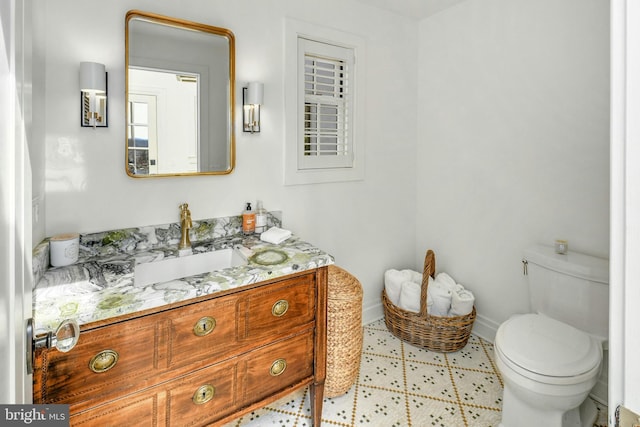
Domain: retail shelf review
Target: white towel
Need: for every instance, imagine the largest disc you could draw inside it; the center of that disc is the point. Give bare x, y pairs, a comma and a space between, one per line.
414, 276
461, 302
446, 280
275, 235
440, 293
393, 283
410, 296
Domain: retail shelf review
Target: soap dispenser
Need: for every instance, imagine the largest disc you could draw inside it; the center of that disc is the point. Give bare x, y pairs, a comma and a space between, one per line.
248, 221
261, 218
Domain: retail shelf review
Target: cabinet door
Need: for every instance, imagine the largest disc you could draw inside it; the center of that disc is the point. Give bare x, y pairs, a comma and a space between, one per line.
274, 367
278, 309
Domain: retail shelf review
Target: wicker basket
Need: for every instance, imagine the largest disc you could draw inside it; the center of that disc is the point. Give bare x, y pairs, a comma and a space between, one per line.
437, 333
344, 331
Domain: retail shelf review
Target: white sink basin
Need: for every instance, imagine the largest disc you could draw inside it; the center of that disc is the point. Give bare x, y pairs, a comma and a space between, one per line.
164, 270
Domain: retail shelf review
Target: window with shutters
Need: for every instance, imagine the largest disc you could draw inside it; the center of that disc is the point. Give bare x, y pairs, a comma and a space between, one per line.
322, 127
325, 135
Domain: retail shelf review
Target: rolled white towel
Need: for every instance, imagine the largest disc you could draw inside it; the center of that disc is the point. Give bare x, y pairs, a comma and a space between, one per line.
461, 302
393, 282
446, 280
414, 276
441, 297
275, 235
409, 296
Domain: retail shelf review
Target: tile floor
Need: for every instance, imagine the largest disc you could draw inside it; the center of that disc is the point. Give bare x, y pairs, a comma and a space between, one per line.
400, 385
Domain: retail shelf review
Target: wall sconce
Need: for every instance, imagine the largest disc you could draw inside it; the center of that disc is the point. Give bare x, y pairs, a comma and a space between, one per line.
252, 97
93, 95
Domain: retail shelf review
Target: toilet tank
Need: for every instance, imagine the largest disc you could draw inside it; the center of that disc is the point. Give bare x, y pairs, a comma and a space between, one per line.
572, 288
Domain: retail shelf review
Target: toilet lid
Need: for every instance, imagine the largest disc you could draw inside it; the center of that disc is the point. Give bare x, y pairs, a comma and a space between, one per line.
547, 347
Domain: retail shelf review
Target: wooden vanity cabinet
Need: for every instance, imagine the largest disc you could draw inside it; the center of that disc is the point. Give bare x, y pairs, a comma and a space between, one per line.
203, 362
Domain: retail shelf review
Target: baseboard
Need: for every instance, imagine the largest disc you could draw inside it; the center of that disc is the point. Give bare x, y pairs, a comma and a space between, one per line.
372, 313
485, 328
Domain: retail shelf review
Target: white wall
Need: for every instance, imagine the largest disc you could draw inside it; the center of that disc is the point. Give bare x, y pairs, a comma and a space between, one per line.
367, 225
513, 144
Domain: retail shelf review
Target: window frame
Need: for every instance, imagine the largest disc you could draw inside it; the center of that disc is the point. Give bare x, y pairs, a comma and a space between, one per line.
338, 131
299, 170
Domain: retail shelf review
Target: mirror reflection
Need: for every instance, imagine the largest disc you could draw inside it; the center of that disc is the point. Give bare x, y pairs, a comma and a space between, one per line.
180, 85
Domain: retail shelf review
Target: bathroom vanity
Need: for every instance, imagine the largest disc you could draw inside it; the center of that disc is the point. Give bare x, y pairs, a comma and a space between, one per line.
200, 350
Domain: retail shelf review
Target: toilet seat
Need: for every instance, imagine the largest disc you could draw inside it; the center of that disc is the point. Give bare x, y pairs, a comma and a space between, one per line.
546, 350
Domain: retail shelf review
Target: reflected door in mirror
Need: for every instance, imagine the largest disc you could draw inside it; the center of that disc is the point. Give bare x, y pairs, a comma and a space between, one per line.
141, 146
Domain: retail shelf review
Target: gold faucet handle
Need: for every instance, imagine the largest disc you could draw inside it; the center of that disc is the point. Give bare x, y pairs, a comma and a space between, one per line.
185, 216
184, 211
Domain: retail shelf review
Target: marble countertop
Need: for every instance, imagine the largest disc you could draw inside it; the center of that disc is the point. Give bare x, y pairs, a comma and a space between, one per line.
101, 284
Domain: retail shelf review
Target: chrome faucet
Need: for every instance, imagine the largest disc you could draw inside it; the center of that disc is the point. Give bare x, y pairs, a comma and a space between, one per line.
185, 226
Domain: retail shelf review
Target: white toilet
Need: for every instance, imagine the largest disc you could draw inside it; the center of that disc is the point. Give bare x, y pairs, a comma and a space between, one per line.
551, 359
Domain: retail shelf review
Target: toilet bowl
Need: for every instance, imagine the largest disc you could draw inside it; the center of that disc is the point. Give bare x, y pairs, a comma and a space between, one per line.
548, 368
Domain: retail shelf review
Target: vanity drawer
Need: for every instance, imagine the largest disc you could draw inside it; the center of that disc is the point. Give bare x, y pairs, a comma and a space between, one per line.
202, 331
277, 309
202, 396
107, 360
193, 400
276, 366
140, 410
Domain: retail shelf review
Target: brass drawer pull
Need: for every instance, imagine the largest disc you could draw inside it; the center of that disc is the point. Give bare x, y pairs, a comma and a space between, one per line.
203, 394
278, 367
280, 308
103, 361
204, 326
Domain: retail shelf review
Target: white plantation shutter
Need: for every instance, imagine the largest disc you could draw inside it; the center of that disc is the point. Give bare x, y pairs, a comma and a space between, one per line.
325, 137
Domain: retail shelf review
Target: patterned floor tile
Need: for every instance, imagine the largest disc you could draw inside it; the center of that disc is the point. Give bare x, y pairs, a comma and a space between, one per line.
380, 341
417, 354
341, 410
478, 417
381, 371
601, 421
472, 356
481, 389
376, 405
432, 412
426, 380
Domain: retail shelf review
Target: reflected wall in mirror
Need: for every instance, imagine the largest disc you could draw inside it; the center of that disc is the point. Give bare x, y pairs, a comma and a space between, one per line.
180, 83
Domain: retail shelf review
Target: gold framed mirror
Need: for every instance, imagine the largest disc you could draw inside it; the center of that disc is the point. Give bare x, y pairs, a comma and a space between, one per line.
180, 86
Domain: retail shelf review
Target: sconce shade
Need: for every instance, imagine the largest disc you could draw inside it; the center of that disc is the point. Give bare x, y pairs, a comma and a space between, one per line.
93, 95
255, 91
252, 96
93, 77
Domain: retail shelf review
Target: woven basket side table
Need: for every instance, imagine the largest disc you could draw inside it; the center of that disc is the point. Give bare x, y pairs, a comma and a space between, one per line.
344, 331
